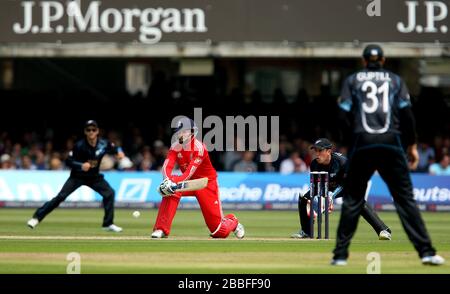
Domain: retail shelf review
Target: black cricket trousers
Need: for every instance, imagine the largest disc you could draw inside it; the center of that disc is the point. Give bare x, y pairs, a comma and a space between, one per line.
392, 166
98, 184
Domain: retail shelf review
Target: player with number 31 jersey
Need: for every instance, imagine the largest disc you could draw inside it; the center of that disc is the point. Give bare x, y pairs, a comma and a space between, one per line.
378, 109
361, 92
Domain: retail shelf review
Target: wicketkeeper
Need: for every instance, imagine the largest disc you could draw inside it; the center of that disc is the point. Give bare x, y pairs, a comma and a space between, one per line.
192, 158
334, 164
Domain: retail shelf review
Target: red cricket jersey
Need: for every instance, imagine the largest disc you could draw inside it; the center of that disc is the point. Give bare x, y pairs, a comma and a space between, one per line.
193, 160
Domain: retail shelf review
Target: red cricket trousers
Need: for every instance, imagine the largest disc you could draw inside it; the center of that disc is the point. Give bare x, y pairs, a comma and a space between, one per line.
208, 199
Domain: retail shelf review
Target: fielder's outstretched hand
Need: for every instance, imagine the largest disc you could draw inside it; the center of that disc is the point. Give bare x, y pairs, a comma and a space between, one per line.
167, 187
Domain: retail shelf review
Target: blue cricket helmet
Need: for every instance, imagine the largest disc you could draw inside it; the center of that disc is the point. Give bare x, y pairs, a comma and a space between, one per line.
185, 123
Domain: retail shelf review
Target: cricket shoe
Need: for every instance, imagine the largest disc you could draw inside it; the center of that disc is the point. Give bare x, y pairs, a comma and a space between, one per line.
113, 228
32, 223
239, 232
385, 235
158, 234
338, 262
300, 235
433, 260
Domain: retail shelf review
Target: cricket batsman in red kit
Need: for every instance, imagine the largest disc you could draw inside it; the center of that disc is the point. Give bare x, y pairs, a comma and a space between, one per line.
193, 160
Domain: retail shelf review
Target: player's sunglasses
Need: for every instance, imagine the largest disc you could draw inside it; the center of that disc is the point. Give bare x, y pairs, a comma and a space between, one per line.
90, 130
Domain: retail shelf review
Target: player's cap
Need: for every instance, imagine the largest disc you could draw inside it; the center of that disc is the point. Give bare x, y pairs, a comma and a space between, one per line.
322, 143
373, 53
90, 123
185, 123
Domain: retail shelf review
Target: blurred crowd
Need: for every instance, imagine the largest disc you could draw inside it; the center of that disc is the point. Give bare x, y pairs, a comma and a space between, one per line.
34, 152
48, 109
40, 138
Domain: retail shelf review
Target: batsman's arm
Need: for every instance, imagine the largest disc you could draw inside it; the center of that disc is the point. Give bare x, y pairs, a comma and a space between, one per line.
169, 164
167, 187
190, 170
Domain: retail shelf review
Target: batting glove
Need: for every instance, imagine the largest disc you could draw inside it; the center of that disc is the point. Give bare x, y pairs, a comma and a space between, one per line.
167, 187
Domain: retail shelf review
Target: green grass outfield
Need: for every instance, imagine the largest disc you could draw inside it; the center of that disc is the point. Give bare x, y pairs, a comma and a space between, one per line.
267, 247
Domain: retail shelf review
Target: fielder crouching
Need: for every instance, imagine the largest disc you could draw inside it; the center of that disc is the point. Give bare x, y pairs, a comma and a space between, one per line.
334, 164
193, 159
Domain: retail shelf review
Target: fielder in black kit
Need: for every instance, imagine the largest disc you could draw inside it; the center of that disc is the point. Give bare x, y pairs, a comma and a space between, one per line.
333, 163
84, 161
378, 109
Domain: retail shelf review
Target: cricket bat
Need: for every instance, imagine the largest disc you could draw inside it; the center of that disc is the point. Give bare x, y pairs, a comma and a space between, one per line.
192, 185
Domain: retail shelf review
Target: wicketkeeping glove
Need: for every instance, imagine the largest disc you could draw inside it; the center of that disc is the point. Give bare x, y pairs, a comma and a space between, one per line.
316, 204
167, 187
330, 204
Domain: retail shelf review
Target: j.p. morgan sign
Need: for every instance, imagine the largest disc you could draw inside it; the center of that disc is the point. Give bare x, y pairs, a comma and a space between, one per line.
153, 21
96, 19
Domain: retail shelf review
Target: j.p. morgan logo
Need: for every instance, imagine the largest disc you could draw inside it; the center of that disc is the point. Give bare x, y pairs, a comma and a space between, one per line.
436, 12
71, 17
